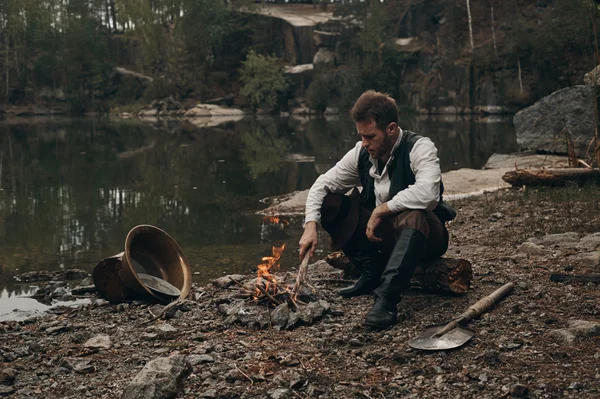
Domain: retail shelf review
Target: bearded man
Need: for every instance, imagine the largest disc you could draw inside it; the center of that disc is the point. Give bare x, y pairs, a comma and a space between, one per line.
399, 217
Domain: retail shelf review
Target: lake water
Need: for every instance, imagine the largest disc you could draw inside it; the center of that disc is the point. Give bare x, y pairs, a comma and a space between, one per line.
71, 189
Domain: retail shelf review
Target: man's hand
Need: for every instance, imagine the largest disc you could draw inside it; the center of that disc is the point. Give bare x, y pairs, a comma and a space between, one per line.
375, 220
309, 239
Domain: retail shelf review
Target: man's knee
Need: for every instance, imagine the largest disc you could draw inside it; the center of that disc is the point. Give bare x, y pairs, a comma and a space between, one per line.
414, 219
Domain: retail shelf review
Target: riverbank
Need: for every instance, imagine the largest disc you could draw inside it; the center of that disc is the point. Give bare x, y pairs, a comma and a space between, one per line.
458, 184
521, 348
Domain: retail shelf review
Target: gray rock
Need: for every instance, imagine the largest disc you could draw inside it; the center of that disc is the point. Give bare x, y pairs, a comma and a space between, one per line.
586, 258
532, 249
81, 366
542, 126
584, 328
290, 360
297, 381
210, 393
166, 331
101, 341
590, 242
576, 329
560, 240
280, 316
7, 376
199, 359
158, 379
225, 281
280, 393
234, 375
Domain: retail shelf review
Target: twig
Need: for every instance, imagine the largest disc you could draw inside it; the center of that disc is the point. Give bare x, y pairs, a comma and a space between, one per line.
240, 284
261, 289
166, 309
244, 374
302, 273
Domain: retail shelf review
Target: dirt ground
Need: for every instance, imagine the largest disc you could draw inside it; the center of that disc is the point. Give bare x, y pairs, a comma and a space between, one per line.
521, 348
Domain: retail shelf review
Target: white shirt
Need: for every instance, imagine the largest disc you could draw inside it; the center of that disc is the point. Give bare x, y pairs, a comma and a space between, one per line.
424, 194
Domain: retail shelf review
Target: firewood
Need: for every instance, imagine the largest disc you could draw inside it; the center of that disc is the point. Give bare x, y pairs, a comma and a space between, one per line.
302, 276
550, 177
444, 275
261, 289
570, 278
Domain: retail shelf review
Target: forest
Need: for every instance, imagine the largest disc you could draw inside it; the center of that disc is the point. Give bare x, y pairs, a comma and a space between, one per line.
66, 51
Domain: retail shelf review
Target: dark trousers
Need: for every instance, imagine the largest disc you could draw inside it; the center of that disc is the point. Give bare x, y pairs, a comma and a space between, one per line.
426, 222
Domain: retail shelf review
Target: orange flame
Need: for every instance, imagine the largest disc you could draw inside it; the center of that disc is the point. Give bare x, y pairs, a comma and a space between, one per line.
275, 220
270, 264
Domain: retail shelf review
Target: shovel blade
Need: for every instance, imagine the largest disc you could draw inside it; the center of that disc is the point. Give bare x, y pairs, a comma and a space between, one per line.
452, 339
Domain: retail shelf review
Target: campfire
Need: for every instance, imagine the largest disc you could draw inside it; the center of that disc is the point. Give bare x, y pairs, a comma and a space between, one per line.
281, 301
268, 289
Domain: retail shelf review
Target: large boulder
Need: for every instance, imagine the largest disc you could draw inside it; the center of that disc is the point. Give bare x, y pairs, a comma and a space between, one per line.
544, 125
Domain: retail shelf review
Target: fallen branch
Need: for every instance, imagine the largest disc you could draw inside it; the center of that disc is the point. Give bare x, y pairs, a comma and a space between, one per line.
171, 307
569, 278
550, 177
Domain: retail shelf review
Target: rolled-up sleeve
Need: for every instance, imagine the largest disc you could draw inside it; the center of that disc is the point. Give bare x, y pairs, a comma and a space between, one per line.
339, 179
425, 193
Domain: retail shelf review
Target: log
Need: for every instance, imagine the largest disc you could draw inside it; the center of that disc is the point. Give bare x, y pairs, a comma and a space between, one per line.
550, 177
571, 278
442, 275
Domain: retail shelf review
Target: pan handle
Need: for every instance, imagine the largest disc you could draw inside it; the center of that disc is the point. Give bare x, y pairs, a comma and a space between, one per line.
482, 305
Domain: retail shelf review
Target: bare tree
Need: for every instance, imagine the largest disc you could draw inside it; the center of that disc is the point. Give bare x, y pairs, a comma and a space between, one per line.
470, 24
494, 29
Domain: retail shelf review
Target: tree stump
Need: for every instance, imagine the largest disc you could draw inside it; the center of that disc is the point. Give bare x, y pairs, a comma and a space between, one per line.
442, 275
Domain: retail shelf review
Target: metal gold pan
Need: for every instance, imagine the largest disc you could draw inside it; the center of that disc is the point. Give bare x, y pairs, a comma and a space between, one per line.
150, 250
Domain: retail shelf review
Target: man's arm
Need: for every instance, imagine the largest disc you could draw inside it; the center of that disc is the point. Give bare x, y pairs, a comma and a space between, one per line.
342, 177
425, 193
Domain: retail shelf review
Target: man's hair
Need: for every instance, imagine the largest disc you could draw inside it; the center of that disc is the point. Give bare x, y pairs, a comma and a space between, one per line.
379, 107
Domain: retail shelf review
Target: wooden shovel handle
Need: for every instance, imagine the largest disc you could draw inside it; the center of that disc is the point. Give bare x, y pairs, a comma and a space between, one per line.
484, 304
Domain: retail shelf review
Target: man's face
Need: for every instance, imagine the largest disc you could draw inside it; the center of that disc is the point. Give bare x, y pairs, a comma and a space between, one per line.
377, 142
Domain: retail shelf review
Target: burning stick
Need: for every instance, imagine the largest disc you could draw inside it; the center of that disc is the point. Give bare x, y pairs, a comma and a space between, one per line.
302, 276
261, 289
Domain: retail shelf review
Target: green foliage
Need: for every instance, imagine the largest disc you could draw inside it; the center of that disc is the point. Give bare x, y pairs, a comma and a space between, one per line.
373, 60
263, 148
85, 60
545, 49
262, 79
159, 88
318, 94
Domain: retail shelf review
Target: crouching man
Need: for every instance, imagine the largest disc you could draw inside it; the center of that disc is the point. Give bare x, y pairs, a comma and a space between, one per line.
398, 218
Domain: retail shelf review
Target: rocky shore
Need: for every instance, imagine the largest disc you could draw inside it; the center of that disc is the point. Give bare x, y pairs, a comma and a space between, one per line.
540, 342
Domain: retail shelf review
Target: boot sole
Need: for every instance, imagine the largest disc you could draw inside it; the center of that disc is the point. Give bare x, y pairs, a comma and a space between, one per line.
355, 295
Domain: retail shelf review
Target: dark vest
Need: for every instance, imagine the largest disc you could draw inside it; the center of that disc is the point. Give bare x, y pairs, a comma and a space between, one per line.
401, 176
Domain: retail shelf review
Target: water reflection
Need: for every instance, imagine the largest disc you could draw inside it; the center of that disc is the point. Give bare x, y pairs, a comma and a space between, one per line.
72, 189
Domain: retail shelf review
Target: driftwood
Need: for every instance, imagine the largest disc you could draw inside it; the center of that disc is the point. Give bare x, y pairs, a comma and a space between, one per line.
550, 177
443, 275
572, 278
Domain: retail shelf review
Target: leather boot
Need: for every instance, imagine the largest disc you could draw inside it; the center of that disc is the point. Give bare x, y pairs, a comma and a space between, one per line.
370, 265
395, 279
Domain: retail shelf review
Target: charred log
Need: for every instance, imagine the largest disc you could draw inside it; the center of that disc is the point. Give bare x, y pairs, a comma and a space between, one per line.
550, 177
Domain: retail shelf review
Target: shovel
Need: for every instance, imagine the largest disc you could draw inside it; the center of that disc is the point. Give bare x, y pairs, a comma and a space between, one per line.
453, 334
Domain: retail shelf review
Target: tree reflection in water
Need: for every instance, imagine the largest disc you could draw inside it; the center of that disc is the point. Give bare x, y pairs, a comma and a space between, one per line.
72, 189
